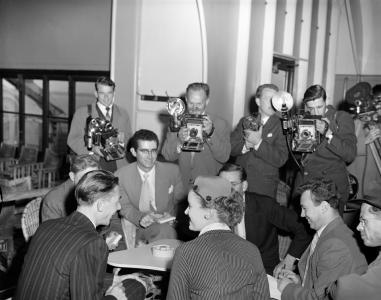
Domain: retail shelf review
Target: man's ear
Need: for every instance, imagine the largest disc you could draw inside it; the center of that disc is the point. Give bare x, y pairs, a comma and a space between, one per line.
71, 175
257, 100
206, 102
99, 205
133, 152
245, 185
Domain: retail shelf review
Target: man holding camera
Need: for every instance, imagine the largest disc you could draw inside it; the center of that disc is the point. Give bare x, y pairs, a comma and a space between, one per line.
216, 148
338, 145
105, 109
261, 152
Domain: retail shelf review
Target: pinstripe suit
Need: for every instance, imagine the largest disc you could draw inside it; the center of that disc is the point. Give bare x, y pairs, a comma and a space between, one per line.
218, 265
65, 260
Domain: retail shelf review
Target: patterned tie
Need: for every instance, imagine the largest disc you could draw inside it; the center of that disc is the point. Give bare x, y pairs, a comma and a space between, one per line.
312, 249
108, 115
145, 195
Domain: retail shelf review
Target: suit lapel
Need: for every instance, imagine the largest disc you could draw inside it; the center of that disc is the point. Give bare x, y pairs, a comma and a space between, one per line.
160, 188
136, 182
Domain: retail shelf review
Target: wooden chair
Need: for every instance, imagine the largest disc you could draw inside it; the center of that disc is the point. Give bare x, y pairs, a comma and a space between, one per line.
30, 219
7, 150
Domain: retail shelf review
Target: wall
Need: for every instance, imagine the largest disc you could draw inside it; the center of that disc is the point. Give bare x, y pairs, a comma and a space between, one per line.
45, 34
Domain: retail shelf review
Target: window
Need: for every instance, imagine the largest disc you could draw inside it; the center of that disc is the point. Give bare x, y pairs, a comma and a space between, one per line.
36, 107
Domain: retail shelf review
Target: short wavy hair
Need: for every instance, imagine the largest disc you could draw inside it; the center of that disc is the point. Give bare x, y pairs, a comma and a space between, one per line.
229, 209
104, 81
322, 190
314, 92
82, 162
198, 86
94, 185
260, 89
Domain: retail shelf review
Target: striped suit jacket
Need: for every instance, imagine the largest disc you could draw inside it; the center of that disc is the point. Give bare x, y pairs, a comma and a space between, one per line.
66, 259
218, 265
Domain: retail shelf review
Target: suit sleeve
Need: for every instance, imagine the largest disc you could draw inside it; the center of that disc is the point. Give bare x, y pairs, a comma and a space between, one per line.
88, 271
335, 260
219, 142
344, 141
75, 139
50, 209
179, 280
286, 219
236, 140
169, 149
128, 210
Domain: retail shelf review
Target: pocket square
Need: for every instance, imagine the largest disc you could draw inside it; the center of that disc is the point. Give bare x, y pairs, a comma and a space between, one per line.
170, 190
269, 134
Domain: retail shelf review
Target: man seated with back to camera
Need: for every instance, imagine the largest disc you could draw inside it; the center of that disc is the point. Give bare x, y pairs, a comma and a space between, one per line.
216, 134
261, 152
337, 148
333, 251
149, 189
67, 258
261, 220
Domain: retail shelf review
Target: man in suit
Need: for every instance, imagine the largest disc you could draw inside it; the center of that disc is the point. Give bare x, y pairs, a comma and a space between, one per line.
333, 251
264, 151
216, 134
149, 189
263, 217
105, 109
368, 285
67, 258
338, 145
60, 201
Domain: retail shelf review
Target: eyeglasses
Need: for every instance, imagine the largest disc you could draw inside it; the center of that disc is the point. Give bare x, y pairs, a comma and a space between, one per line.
148, 151
235, 183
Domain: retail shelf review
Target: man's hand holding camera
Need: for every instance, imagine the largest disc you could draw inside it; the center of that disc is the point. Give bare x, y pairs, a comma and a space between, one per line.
207, 126
252, 138
322, 126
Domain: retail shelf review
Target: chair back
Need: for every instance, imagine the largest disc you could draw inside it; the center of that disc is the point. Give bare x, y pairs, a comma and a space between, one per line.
7, 150
30, 219
28, 155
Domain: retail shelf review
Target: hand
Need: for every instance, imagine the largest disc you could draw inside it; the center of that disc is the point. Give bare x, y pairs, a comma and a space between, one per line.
286, 264
112, 240
183, 134
207, 125
286, 277
97, 151
373, 134
253, 137
117, 288
321, 125
147, 220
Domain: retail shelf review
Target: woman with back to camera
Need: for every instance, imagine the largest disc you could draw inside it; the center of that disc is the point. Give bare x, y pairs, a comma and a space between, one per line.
217, 264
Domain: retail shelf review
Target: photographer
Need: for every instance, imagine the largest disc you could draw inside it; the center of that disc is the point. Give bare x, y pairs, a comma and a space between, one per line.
264, 151
104, 109
338, 145
216, 131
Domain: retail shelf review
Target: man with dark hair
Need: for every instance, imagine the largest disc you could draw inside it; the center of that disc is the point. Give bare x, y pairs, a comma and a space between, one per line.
67, 258
263, 217
338, 146
264, 151
105, 109
149, 189
333, 251
368, 285
60, 201
215, 130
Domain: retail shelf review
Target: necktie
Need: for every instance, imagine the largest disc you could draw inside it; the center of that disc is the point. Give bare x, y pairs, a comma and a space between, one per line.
312, 249
108, 115
145, 195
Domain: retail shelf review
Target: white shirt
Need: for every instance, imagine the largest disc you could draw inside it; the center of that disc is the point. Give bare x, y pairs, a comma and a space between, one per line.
151, 182
214, 226
103, 109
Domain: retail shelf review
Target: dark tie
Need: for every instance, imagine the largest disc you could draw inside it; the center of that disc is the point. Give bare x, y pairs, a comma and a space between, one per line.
108, 115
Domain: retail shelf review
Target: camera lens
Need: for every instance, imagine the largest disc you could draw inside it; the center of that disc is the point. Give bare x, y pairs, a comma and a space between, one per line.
305, 134
193, 132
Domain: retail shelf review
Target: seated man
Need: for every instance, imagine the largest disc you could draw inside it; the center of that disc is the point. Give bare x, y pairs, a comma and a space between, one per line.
262, 219
67, 258
333, 251
60, 201
149, 189
368, 285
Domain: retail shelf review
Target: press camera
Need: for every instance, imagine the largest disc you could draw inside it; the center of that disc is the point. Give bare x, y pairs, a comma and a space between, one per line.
100, 132
195, 139
252, 122
299, 126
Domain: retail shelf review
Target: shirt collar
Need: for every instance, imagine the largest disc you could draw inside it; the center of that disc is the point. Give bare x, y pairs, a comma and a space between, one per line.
214, 226
103, 107
150, 172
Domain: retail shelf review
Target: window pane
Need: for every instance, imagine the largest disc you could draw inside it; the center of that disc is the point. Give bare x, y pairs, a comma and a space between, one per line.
33, 96
11, 128
58, 131
33, 131
84, 93
10, 95
58, 98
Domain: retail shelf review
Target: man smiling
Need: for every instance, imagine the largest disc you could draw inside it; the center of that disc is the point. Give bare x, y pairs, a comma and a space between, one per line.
149, 188
333, 251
